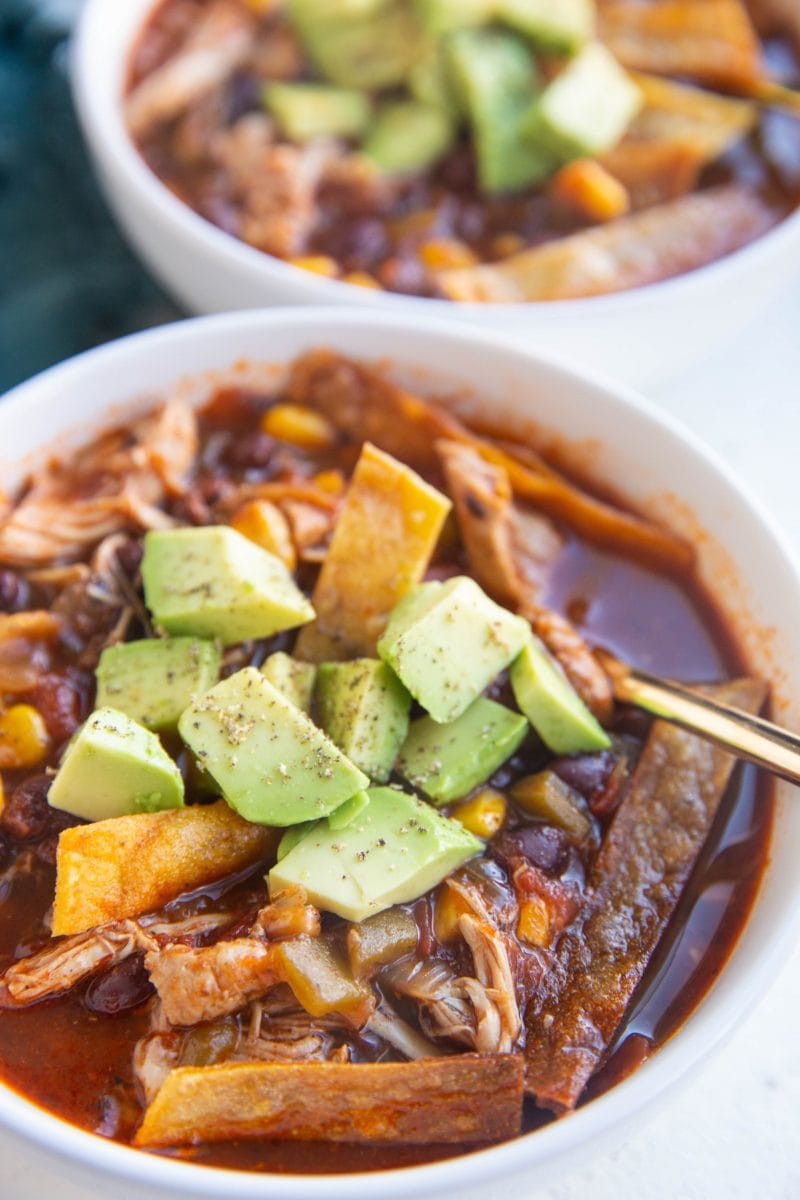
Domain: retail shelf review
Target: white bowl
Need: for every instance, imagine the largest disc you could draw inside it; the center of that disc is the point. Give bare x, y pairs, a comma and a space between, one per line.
644, 453
637, 336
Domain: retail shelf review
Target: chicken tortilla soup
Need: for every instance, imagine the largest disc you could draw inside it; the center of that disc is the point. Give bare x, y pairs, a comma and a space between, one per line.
324, 845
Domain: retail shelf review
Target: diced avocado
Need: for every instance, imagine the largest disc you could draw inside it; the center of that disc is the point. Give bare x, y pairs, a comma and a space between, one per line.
447, 642
560, 26
272, 764
429, 82
369, 48
295, 679
114, 767
293, 836
442, 16
308, 110
495, 77
586, 109
379, 940
363, 707
408, 136
447, 761
347, 812
214, 582
153, 680
398, 849
551, 704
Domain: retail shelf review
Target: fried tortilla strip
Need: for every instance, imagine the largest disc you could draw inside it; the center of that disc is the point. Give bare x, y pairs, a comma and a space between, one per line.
460, 1099
126, 866
709, 40
679, 131
364, 404
646, 247
386, 533
657, 835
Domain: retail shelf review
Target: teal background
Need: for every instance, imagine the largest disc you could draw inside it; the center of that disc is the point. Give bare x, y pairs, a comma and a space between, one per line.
67, 279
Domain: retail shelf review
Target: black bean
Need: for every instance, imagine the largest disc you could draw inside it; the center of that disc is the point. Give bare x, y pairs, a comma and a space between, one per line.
123, 987
13, 592
26, 813
251, 451
587, 773
543, 846
129, 556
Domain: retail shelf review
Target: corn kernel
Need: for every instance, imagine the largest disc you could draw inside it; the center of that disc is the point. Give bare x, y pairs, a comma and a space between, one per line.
298, 425
506, 244
331, 482
484, 814
24, 740
533, 925
362, 279
318, 264
587, 186
448, 907
265, 524
444, 253
262, 8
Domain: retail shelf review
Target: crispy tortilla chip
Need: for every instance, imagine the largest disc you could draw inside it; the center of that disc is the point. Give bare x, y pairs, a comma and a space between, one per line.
462, 1099
712, 41
384, 538
131, 865
646, 247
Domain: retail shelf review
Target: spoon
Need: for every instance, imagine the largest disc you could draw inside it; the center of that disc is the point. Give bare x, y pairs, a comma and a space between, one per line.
752, 738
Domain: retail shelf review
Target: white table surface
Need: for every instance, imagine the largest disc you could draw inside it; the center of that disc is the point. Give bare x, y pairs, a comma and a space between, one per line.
734, 1132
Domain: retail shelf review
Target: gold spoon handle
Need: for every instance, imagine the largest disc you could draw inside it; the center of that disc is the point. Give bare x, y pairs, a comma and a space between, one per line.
749, 737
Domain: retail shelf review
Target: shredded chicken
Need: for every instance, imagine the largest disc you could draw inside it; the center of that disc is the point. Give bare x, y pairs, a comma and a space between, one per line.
154, 1056
275, 184
291, 1035
480, 1012
61, 966
288, 915
217, 44
199, 984
116, 482
511, 552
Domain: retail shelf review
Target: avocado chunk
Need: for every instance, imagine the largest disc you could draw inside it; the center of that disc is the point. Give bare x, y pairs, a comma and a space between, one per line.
408, 136
366, 46
114, 767
294, 835
560, 26
308, 110
398, 849
272, 764
551, 704
586, 109
213, 582
447, 642
429, 82
154, 679
495, 78
347, 812
439, 17
448, 761
363, 707
295, 679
